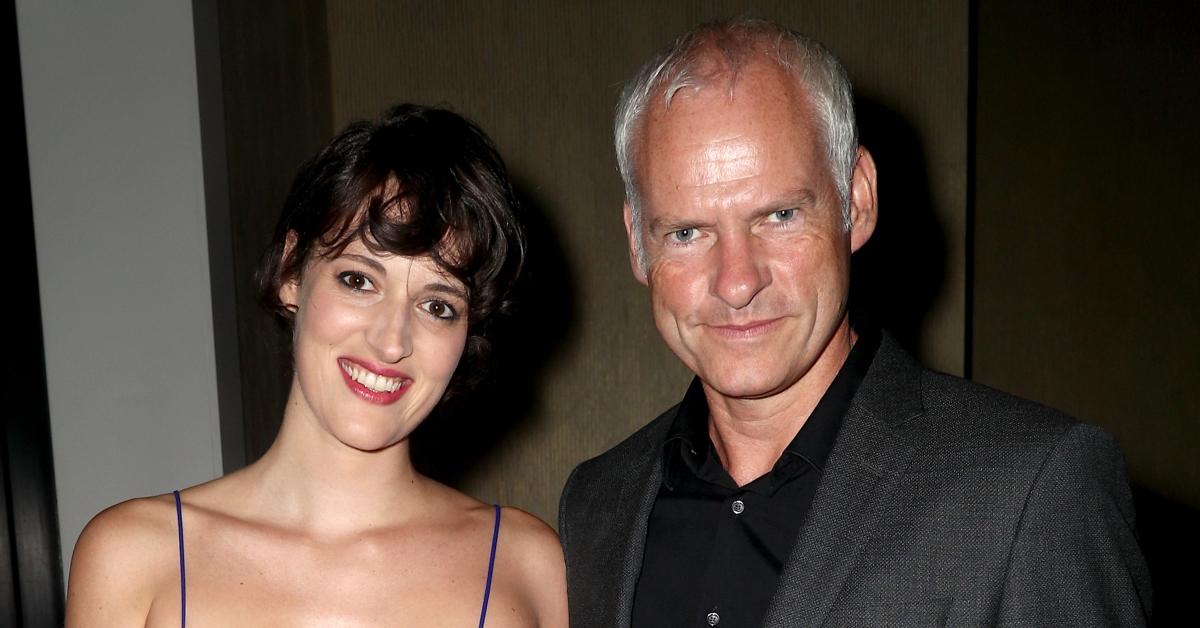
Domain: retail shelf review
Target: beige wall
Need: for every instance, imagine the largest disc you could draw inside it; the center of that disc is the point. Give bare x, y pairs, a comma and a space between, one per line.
542, 77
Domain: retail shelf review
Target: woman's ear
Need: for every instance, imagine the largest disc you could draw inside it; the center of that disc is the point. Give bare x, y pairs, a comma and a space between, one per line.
289, 291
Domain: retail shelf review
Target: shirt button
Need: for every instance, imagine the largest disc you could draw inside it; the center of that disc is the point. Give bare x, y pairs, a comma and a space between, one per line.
738, 508
713, 619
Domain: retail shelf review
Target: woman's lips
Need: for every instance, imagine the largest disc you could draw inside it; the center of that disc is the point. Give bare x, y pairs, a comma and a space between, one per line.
382, 386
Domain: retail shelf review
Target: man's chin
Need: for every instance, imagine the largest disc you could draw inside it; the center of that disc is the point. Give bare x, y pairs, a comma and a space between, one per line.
734, 385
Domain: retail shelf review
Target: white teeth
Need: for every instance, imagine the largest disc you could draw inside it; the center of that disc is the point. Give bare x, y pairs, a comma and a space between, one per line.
373, 381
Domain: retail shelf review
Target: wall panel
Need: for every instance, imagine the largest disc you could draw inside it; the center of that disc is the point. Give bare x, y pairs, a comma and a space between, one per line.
275, 84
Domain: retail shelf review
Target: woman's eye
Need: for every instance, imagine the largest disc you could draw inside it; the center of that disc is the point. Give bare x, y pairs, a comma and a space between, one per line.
683, 235
782, 215
357, 282
440, 309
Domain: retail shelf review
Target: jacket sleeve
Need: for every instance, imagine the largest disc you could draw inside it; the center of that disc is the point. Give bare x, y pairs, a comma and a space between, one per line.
565, 509
577, 531
1075, 559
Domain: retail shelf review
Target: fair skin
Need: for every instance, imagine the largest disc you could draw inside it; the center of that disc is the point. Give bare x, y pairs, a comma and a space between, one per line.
748, 259
333, 526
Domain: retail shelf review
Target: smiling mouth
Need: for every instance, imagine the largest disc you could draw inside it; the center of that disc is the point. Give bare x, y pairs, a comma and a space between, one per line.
370, 380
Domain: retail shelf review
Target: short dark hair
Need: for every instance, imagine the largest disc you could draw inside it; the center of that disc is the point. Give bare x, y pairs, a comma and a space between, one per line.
419, 181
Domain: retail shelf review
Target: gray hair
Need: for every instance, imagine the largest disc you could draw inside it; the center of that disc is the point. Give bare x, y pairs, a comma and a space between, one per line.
732, 44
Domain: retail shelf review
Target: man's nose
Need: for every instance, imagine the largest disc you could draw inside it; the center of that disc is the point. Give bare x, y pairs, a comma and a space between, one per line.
390, 333
741, 271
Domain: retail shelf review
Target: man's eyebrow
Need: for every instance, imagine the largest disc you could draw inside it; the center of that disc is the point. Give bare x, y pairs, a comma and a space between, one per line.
800, 197
363, 259
674, 224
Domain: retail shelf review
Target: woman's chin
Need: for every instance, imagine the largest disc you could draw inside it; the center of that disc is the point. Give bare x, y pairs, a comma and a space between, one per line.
373, 438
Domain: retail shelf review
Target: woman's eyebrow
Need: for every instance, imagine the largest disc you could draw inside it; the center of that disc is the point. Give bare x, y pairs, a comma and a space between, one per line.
454, 291
363, 259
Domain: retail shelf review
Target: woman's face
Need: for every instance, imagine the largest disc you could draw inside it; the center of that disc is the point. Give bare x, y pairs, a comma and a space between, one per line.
376, 340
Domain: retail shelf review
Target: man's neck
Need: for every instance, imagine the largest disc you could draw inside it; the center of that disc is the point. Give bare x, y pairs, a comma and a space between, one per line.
751, 434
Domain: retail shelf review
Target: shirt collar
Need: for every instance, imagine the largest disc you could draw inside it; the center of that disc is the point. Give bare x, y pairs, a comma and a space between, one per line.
688, 448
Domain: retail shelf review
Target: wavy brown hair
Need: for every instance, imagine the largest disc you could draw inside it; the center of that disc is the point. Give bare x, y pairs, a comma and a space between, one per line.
420, 181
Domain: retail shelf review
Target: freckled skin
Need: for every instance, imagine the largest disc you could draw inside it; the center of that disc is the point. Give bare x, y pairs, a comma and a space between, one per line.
749, 262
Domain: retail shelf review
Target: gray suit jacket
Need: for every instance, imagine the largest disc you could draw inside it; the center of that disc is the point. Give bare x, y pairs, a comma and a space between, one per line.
942, 503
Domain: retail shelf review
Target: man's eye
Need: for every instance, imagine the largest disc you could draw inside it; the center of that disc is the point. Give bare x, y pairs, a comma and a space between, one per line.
440, 309
357, 282
683, 235
782, 215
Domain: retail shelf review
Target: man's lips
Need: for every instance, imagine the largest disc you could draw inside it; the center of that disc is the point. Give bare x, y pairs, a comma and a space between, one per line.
373, 383
748, 329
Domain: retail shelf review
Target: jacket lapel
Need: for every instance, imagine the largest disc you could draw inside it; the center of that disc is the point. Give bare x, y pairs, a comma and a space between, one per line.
639, 487
865, 466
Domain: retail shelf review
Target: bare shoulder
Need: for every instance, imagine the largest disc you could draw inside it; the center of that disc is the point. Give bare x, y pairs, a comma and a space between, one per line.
124, 557
529, 534
531, 552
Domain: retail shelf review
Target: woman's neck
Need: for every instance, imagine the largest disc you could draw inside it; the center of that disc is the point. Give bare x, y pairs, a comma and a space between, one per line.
308, 480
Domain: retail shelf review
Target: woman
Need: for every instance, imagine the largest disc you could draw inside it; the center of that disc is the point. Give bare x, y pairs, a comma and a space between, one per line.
396, 246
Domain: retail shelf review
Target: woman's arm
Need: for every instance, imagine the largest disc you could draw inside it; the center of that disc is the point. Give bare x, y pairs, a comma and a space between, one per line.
534, 550
121, 561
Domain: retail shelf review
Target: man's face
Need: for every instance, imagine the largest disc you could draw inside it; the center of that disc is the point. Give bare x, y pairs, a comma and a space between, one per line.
748, 257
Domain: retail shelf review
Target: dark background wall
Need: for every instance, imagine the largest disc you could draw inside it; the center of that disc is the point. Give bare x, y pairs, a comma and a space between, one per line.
1036, 229
1086, 277
272, 98
583, 366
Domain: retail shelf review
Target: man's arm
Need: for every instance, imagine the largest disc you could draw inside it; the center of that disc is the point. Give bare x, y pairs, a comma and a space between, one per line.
1075, 560
585, 584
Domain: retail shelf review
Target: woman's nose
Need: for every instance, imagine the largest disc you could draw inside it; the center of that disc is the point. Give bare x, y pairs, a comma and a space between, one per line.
390, 333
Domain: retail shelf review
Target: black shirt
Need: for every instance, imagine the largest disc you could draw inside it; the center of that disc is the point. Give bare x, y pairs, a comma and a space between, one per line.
714, 551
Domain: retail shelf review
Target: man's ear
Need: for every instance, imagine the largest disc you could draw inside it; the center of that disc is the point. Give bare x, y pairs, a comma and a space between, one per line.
634, 245
289, 291
864, 209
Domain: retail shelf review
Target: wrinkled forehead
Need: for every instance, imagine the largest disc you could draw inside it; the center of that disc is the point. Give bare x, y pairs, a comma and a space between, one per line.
753, 148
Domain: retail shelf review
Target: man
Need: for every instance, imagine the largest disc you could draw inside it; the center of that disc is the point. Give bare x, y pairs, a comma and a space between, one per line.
814, 474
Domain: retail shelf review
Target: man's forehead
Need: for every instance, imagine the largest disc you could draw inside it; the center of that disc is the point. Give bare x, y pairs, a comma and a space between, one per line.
765, 95
723, 160
758, 76
712, 130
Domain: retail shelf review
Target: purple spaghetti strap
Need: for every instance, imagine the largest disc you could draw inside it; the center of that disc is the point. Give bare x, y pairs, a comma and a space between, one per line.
487, 588
182, 571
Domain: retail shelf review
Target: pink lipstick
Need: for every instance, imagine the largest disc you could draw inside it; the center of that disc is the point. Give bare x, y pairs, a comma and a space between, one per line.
374, 384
